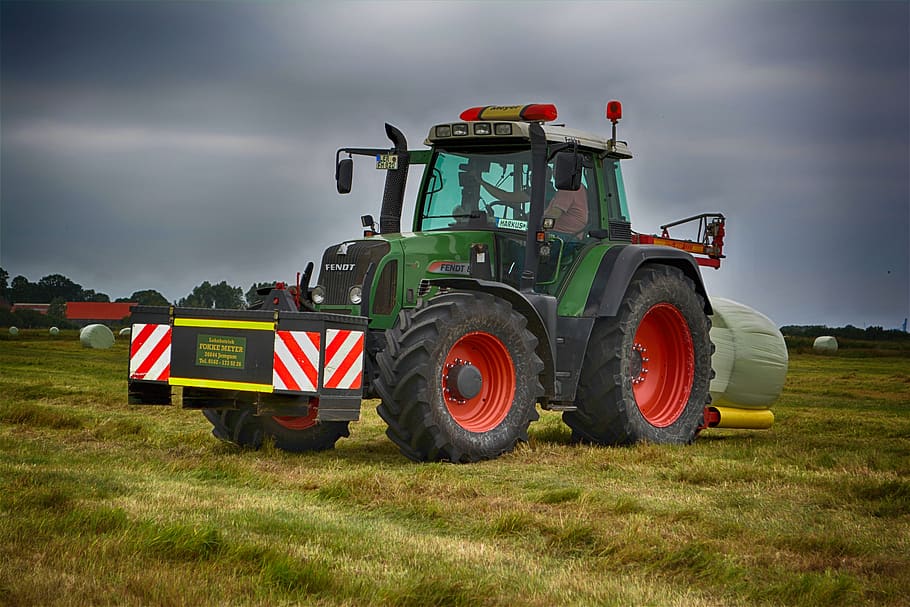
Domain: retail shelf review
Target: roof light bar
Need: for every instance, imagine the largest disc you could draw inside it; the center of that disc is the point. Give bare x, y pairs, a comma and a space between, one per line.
535, 112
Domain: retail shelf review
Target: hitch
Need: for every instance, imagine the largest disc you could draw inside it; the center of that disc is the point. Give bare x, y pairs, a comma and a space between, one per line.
709, 243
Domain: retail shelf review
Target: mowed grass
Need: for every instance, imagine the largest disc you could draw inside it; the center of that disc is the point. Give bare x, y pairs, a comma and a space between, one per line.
104, 503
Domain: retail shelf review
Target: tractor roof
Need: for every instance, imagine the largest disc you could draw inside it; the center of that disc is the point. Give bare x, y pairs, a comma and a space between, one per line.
504, 124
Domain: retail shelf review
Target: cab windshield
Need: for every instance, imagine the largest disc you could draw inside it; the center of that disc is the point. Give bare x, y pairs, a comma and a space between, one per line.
477, 190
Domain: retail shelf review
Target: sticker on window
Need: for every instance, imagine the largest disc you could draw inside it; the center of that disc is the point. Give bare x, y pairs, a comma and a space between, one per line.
512, 224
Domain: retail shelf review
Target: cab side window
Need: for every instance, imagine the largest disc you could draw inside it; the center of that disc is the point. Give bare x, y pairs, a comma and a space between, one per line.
576, 212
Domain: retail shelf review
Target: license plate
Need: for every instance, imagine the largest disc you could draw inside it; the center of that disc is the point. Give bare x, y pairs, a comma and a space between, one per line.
388, 162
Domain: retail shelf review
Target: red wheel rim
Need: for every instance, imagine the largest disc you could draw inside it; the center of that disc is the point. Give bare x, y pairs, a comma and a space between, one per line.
489, 356
663, 365
299, 422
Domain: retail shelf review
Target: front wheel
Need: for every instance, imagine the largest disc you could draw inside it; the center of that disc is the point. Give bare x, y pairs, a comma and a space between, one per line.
296, 434
459, 379
646, 372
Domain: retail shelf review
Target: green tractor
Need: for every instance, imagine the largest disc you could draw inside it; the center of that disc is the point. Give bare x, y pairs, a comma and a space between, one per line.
520, 282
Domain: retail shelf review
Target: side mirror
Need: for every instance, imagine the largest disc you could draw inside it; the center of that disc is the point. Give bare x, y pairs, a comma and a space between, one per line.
567, 173
344, 175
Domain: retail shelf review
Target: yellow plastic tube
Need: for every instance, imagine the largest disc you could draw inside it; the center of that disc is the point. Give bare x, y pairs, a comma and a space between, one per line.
744, 419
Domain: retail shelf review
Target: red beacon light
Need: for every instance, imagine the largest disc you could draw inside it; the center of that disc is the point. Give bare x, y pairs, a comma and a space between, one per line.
535, 112
614, 113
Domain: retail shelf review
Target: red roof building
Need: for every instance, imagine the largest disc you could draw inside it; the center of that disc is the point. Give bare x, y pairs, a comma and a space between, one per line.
82, 311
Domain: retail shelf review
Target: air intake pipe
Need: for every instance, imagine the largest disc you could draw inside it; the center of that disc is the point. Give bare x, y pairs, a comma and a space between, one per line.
395, 182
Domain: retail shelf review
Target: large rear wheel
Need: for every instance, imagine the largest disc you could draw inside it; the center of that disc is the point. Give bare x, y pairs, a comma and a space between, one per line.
459, 379
646, 372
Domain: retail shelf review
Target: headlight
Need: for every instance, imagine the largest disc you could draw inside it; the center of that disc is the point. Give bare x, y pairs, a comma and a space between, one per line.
356, 294
318, 294
460, 129
482, 128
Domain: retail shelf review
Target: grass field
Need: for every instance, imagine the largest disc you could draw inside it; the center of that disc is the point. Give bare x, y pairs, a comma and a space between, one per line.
103, 503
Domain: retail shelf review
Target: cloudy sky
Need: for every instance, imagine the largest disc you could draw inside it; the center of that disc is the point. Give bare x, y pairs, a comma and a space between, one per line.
155, 145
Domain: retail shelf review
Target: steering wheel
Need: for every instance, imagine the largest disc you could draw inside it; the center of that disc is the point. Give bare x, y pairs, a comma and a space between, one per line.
518, 211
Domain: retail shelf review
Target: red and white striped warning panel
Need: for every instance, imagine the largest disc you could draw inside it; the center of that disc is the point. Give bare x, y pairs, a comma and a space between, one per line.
150, 352
343, 359
296, 363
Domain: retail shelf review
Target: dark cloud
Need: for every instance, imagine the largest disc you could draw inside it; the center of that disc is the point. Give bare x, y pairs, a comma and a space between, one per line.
157, 145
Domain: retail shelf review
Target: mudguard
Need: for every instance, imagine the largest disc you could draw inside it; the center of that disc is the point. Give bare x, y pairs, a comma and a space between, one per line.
620, 263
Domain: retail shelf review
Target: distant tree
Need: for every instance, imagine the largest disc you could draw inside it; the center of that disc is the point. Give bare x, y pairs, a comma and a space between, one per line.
30, 319
8, 319
227, 296
90, 295
252, 297
873, 333
148, 297
4, 282
58, 285
200, 297
57, 309
207, 295
23, 291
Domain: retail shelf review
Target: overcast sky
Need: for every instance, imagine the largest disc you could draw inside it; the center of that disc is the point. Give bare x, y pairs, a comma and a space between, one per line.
155, 145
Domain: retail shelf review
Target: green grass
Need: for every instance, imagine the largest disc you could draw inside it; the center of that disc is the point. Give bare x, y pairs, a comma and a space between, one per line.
103, 503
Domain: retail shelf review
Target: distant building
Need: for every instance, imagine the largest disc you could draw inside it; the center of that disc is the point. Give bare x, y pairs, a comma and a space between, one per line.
89, 312
41, 308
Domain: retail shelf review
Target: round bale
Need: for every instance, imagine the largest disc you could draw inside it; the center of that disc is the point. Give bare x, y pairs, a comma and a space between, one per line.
99, 337
54, 331
14, 331
750, 358
826, 344
124, 332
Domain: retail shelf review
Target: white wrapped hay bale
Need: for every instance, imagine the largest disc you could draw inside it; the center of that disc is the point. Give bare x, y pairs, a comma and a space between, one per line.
826, 344
750, 360
124, 332
99, 337
14, 331
54, 331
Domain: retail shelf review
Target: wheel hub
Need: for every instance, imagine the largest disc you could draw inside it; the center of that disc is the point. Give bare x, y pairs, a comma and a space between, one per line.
477, 381
462, 382
639, 364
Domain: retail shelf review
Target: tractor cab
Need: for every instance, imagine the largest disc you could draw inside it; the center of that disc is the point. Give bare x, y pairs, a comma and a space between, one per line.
480, 177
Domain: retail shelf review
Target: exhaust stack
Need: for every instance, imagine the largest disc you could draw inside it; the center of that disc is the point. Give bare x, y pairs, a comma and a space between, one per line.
395, 182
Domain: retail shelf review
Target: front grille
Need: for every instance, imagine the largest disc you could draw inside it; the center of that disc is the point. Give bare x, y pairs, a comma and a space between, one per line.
384, 298
346, 265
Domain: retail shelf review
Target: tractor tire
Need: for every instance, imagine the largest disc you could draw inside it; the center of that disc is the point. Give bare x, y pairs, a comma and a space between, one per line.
646, 372
459, 379
296, 434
